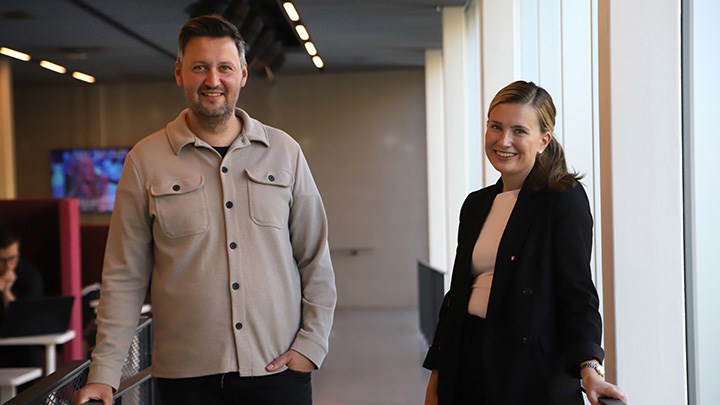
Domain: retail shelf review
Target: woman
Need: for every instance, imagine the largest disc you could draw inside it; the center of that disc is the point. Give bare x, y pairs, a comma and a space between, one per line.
520, 323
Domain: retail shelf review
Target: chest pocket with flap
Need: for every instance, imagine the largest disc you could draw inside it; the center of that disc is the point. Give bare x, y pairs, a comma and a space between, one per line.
270, 194
180, 206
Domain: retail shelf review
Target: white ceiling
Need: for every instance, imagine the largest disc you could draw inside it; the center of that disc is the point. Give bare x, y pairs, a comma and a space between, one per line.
131, 41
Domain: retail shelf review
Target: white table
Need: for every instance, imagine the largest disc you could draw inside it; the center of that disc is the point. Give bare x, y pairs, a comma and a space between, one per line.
49, 341
11, 378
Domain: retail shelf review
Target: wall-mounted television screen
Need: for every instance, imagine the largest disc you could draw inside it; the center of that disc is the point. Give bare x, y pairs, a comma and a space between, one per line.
91, 175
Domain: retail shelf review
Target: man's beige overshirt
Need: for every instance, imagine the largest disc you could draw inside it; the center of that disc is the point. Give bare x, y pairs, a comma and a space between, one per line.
236, 249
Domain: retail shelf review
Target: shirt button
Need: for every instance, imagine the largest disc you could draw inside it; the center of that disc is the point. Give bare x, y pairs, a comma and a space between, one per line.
512, 258
229, 204
527, 292
176, 188
271, 177
224, 169
238, 326
235, 286
233, 245
527, 340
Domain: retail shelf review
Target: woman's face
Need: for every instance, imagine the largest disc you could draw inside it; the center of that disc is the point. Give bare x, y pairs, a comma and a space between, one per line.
512, 140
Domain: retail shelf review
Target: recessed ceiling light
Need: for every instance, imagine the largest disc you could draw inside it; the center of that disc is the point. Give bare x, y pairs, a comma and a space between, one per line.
310, 48
291, 12
53, 66
302, 32
14, 54
83, 77
318, 62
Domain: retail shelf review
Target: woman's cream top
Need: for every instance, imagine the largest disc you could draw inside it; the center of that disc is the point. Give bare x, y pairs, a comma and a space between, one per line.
485, 251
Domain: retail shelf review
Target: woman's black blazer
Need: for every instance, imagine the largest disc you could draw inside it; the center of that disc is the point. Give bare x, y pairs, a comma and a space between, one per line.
542, 316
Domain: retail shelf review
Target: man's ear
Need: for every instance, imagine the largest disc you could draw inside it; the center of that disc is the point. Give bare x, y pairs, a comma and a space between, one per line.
244, 72
178, 77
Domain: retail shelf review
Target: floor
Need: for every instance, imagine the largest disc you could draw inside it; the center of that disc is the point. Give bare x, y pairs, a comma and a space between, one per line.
375, 359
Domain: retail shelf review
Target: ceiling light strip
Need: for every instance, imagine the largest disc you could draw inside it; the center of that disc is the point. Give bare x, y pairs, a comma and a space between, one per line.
302, 33
46, 64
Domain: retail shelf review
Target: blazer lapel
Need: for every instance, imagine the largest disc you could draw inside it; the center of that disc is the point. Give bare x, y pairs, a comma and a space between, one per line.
511, 246
479, 216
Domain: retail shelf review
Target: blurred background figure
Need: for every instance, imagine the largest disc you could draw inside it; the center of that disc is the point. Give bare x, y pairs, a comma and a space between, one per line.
19, 279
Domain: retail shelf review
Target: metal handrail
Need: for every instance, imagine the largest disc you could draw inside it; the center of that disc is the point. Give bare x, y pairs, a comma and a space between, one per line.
128, 386
58, 385
133, 382
607, 401
610, 401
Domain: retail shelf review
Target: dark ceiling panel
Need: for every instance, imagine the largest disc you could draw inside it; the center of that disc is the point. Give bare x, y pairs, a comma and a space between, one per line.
350, 35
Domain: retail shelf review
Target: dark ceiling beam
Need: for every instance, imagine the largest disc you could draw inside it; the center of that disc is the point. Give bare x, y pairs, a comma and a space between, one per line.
120, 27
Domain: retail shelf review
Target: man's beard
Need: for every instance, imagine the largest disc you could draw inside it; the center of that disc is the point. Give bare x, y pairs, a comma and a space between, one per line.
211, 117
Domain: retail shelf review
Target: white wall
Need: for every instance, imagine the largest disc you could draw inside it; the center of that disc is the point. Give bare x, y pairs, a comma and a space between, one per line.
364, 138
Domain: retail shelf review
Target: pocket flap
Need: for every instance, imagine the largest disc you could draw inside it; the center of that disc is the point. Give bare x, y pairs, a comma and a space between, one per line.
270, 177
176, 186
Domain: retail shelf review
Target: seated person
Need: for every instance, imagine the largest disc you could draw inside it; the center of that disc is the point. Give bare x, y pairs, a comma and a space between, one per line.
19, 279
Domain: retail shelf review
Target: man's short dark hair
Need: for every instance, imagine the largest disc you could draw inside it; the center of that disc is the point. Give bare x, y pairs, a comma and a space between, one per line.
211, 26
7, 237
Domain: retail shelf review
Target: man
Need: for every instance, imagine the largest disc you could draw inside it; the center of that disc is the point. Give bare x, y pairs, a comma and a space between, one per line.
19, 279
222, 211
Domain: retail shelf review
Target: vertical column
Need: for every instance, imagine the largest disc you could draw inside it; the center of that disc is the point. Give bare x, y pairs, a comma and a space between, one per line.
454, 84
500, 55
473, 91
642, 207
576, 99
435, 141
7, 144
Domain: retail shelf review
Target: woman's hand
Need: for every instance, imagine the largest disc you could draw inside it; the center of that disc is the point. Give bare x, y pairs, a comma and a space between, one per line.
596, 387
431, 397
